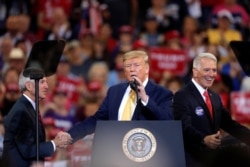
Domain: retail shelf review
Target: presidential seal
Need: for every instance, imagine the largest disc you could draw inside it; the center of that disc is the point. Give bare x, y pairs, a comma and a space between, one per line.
139, 145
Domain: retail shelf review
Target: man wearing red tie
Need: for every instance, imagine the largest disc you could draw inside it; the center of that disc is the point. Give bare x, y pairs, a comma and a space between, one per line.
203, 116
20, 128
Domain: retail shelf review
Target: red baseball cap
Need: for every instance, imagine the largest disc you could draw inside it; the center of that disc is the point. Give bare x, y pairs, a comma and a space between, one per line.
172, 34
94, 86
126, 29
139, 44
12, 87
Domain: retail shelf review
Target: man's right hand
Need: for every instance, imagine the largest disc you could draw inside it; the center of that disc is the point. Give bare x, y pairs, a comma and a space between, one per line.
213, 141
62, 140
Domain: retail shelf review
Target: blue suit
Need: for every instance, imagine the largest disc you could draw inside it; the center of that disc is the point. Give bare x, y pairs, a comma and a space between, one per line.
159, 107
20, 136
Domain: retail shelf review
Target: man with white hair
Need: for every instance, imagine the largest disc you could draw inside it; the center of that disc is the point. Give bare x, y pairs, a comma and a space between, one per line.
203, 116
20, 128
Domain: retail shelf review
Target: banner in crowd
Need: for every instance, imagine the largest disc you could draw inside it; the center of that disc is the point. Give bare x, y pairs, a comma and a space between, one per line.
163, 59
240, 106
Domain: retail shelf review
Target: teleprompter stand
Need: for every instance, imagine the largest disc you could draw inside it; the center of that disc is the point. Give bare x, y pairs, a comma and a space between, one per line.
42, 62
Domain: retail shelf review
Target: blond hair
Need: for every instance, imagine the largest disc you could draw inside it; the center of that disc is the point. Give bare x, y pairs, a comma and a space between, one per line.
135, 54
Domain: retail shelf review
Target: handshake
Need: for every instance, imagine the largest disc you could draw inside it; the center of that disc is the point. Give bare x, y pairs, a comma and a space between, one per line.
62, 140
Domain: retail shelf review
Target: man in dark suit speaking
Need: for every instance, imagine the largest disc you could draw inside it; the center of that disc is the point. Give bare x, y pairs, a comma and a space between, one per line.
203, 116
150, 101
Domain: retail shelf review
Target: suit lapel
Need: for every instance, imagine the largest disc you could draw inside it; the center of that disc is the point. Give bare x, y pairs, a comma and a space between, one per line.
194, 91
32, 113
139, 106
214, 103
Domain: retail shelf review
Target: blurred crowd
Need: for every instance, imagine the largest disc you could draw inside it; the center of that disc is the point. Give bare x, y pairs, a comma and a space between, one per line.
99, 32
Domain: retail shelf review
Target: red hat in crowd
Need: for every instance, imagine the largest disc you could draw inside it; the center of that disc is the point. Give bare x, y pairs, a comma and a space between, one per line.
59, 91
126, 29
94, 86
172, 34
86, 32
12, 87
139, 44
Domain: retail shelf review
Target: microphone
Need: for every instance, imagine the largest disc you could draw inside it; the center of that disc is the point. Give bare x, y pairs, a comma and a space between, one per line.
134, 85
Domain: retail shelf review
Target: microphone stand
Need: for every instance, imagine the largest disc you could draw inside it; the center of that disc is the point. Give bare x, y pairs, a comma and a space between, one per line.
38, 67
37, 76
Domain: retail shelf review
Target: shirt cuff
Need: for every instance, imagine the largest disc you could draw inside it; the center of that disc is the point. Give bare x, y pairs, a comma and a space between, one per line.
54, 145
146, 102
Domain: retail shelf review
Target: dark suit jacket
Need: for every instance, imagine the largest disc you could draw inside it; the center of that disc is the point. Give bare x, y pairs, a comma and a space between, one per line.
190, 108
20, 136
159, 107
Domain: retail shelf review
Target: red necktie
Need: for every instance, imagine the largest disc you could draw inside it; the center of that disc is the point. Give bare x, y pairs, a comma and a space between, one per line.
208, 102
40, 120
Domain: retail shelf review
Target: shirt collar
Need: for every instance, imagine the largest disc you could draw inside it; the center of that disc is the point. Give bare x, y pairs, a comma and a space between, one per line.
30, 100
145, 82
198, 86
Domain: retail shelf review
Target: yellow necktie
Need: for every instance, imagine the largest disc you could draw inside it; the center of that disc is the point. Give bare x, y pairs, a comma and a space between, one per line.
128, 109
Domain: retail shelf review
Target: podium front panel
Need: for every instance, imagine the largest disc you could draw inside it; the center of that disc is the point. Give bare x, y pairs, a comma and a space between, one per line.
138, 144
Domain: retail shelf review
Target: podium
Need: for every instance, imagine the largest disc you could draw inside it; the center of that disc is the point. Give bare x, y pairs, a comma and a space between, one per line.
138, 144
